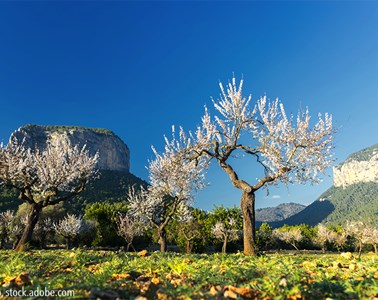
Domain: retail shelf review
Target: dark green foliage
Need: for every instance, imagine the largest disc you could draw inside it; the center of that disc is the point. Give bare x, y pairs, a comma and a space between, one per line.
339, 205
264, 238
111, 186
308, 234
104, 214
223, 214
9, 199
362, 155
355, 202
191, 236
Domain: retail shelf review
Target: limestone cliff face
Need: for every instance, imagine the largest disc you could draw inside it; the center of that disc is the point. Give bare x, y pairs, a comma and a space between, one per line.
113, 152
361, 166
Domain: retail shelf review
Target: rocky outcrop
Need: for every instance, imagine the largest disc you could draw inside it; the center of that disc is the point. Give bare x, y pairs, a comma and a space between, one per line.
113, 152
359, 167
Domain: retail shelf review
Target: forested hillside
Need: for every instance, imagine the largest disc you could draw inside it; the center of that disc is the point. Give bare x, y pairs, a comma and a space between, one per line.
111, 186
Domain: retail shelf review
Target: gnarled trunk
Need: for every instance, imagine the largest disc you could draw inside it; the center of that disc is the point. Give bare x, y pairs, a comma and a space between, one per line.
162, 239
33, 217
249, 227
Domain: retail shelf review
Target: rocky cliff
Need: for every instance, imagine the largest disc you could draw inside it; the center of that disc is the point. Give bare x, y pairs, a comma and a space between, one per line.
361, 166
354, 195
113, 152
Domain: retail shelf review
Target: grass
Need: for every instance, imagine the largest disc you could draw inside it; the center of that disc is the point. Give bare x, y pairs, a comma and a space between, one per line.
104, 274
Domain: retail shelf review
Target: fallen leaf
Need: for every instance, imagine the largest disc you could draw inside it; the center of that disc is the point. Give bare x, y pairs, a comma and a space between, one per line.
155, 280
230, 294
347, 255
143, 253
246, 292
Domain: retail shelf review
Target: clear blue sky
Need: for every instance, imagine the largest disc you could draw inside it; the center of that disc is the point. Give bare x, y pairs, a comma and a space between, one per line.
139, 67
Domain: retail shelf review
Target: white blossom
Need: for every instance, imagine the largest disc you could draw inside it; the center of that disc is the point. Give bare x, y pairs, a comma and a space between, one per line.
58, 168
225, 232
129, 227
289, 235
69, 227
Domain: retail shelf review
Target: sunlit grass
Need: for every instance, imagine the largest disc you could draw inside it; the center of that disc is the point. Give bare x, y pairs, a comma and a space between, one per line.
175, 276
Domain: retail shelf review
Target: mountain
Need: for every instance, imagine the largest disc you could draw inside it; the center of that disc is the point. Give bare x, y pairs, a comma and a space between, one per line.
114, 163
113, 152
353, 196
278, 213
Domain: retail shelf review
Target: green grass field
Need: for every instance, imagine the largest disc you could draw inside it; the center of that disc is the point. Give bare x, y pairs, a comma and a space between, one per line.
108, 275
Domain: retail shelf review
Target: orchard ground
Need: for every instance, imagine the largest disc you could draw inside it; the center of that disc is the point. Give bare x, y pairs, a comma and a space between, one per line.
110, 275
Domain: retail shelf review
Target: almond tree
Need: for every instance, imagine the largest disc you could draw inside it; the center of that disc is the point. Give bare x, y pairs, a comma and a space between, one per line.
363, 234
129, 226
190, 227
371, 237
45, 177
287, 148
325, 235
173, 181
43, 230
69, 227
290, 236
226, 232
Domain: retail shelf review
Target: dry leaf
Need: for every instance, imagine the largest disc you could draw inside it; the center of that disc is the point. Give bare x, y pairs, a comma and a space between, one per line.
143, 253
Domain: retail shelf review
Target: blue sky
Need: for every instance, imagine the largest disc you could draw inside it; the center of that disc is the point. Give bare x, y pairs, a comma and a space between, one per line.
139, 67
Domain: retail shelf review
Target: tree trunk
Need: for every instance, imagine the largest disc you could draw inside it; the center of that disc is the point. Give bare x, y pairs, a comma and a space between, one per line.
249, 227
224, 246
2, 241
188, 247
33, 217
162, 239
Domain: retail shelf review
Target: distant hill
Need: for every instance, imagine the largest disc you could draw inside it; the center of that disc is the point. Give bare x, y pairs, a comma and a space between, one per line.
278, 213
354, 195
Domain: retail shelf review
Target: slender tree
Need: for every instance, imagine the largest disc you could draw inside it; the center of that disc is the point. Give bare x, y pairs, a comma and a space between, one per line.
45, 177
226, 232
69, 228
287, 148
289, 235
363, 234
128, 227
325, 235
173, 181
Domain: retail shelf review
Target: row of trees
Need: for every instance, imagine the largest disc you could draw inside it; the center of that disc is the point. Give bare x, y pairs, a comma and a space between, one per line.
202, 231
287, 148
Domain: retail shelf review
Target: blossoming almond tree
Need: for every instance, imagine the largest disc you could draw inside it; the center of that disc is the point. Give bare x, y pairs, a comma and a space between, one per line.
129, 227
45, 177
290, 236
226, 232
173, 181
287, 148
69, 228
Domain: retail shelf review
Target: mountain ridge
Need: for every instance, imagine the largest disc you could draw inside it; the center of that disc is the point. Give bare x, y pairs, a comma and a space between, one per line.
356, 199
